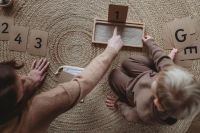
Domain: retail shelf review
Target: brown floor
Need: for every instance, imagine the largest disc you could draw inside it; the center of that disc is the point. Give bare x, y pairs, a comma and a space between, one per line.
195, 126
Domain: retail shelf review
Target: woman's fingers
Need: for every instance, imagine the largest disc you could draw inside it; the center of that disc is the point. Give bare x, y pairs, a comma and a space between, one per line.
43, 63
38, 63
115, 31
33, 64
44, 69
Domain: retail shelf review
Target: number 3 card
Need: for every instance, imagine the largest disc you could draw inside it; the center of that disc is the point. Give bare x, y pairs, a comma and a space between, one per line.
18, 38
37, 44
5, 24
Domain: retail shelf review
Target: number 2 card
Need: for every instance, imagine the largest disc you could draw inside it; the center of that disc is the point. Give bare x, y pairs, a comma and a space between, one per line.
37, 44
5, 24
18, 38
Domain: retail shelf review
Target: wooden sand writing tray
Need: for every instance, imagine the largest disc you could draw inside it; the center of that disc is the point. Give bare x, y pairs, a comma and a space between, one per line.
131, 33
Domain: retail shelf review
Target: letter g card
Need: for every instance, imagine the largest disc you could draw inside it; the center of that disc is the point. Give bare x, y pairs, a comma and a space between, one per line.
180, 33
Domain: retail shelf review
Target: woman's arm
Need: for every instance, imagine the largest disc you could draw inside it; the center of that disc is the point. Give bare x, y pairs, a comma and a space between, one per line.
93, 73
158, 55
48, 105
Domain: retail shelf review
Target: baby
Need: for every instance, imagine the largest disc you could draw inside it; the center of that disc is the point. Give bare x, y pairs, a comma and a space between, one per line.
154, 90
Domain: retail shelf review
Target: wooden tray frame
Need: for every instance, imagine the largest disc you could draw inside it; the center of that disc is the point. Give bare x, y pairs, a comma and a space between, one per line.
127, 24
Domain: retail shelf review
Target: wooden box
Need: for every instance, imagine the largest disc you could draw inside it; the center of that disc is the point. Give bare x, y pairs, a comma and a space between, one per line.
131, 32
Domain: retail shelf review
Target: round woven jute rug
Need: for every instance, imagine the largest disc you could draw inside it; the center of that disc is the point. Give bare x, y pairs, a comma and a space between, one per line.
70, 24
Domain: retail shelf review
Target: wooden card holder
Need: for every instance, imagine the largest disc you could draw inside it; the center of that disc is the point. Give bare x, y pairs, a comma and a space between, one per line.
131, 32
117, 13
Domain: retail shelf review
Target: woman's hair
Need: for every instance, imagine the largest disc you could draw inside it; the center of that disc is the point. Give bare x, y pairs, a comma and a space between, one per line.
8, 88
178, 92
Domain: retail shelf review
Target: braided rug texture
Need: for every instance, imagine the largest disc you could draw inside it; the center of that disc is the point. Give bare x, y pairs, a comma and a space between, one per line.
70, 24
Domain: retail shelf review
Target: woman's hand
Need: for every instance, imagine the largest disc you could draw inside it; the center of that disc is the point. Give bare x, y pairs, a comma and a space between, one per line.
115, 41
38, 71
111, 101
172, 54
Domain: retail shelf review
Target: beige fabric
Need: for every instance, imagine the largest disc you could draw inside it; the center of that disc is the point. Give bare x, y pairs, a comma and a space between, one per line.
70, 24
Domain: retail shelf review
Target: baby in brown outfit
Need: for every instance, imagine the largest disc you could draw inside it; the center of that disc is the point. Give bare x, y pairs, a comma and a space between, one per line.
153, 89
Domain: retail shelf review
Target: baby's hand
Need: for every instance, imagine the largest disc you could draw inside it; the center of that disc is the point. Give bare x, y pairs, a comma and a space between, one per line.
146, 38
172, 54
111, 101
